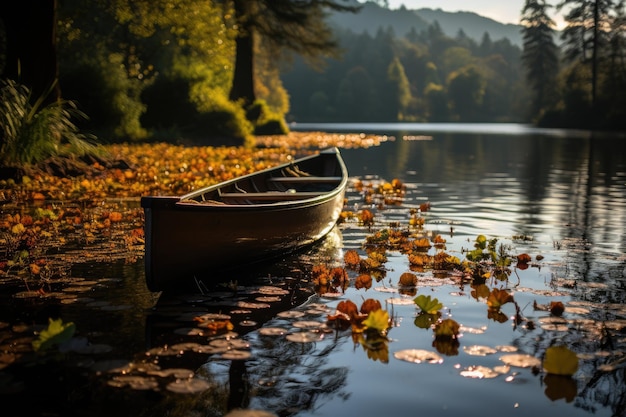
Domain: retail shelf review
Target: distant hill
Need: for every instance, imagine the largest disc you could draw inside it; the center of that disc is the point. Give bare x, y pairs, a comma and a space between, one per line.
473, 25
372, 17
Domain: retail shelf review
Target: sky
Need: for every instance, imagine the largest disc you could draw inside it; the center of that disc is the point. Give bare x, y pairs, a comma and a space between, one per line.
505, 11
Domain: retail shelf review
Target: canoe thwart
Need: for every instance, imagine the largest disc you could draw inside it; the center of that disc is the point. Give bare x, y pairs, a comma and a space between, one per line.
308, 180
270, 196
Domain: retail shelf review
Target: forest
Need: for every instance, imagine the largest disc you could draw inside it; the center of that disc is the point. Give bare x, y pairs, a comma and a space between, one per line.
222, 71
567, 78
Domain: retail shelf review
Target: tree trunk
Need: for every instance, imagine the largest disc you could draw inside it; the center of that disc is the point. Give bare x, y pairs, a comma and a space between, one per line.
243, 79
31, 46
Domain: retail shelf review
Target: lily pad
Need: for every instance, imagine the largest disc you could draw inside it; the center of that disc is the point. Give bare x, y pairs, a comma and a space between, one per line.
418, 356
520, 360
188, 386
478, 350
479, 372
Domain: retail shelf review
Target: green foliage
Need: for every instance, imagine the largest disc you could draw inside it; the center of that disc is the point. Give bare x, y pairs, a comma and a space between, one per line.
31, 132
483, 249
56, 333
466, 90
427, 304
264, 120
100, 83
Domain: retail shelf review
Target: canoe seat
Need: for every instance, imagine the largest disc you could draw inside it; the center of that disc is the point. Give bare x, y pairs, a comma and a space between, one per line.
308, 180
269, 196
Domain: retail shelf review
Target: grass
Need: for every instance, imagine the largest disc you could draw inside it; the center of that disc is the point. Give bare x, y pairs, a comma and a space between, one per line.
31, 132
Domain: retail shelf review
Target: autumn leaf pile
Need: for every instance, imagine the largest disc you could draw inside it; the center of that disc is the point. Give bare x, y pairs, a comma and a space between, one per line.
96, 215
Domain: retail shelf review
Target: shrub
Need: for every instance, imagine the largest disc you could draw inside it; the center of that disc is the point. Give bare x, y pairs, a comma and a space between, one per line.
104, 90
30, 133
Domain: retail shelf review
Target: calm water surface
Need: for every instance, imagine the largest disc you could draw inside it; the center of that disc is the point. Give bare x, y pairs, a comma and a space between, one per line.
560, 195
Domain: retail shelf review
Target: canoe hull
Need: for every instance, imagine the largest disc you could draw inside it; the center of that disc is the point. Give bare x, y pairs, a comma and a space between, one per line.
184, 240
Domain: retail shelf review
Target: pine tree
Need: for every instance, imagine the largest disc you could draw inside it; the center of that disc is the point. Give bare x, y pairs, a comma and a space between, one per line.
586, 35
540, 55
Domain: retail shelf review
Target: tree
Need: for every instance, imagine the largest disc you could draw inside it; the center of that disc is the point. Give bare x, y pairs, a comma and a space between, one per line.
466, 89
540, 55
399, 89
30, 49
585, 36
282, 25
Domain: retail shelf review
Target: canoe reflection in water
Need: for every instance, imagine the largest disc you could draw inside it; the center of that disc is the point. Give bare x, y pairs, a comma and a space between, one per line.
267, 358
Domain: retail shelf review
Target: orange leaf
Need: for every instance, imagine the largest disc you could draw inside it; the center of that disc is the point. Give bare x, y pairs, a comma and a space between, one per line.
352, 258
349, 308
370, 305
408, 279
556, 308
499, 297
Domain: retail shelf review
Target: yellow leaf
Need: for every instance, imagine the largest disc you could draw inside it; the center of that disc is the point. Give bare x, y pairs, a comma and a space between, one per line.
18, 229
559, 360
378, 320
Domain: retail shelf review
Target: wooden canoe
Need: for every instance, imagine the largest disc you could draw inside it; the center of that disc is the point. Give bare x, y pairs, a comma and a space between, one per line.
245, 220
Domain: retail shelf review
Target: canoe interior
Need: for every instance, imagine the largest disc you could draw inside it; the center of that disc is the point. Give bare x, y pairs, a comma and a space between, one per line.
303, 179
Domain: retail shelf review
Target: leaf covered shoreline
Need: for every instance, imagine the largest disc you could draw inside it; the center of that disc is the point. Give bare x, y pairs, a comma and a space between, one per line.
69, 205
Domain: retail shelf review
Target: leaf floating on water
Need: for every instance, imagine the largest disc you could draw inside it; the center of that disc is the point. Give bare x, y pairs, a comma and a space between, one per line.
408, 279
304, 337
520, 360
208, 349
236, 354
363, 281
479, 372
211, 316
56, 333
447, 328
268, 299
478, 350
418, 356
135, 382
230, 343
377, 320
497, 298
269, 290
506, 348
472, 330
272, 331
188, 386
307, 324
352, 259
247, 304
180, 348
179, 373
556, 308
402, 301
427, 304
559, 360
290, 314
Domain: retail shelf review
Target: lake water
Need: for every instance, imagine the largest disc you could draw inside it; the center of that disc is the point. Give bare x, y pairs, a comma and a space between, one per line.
559, 196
